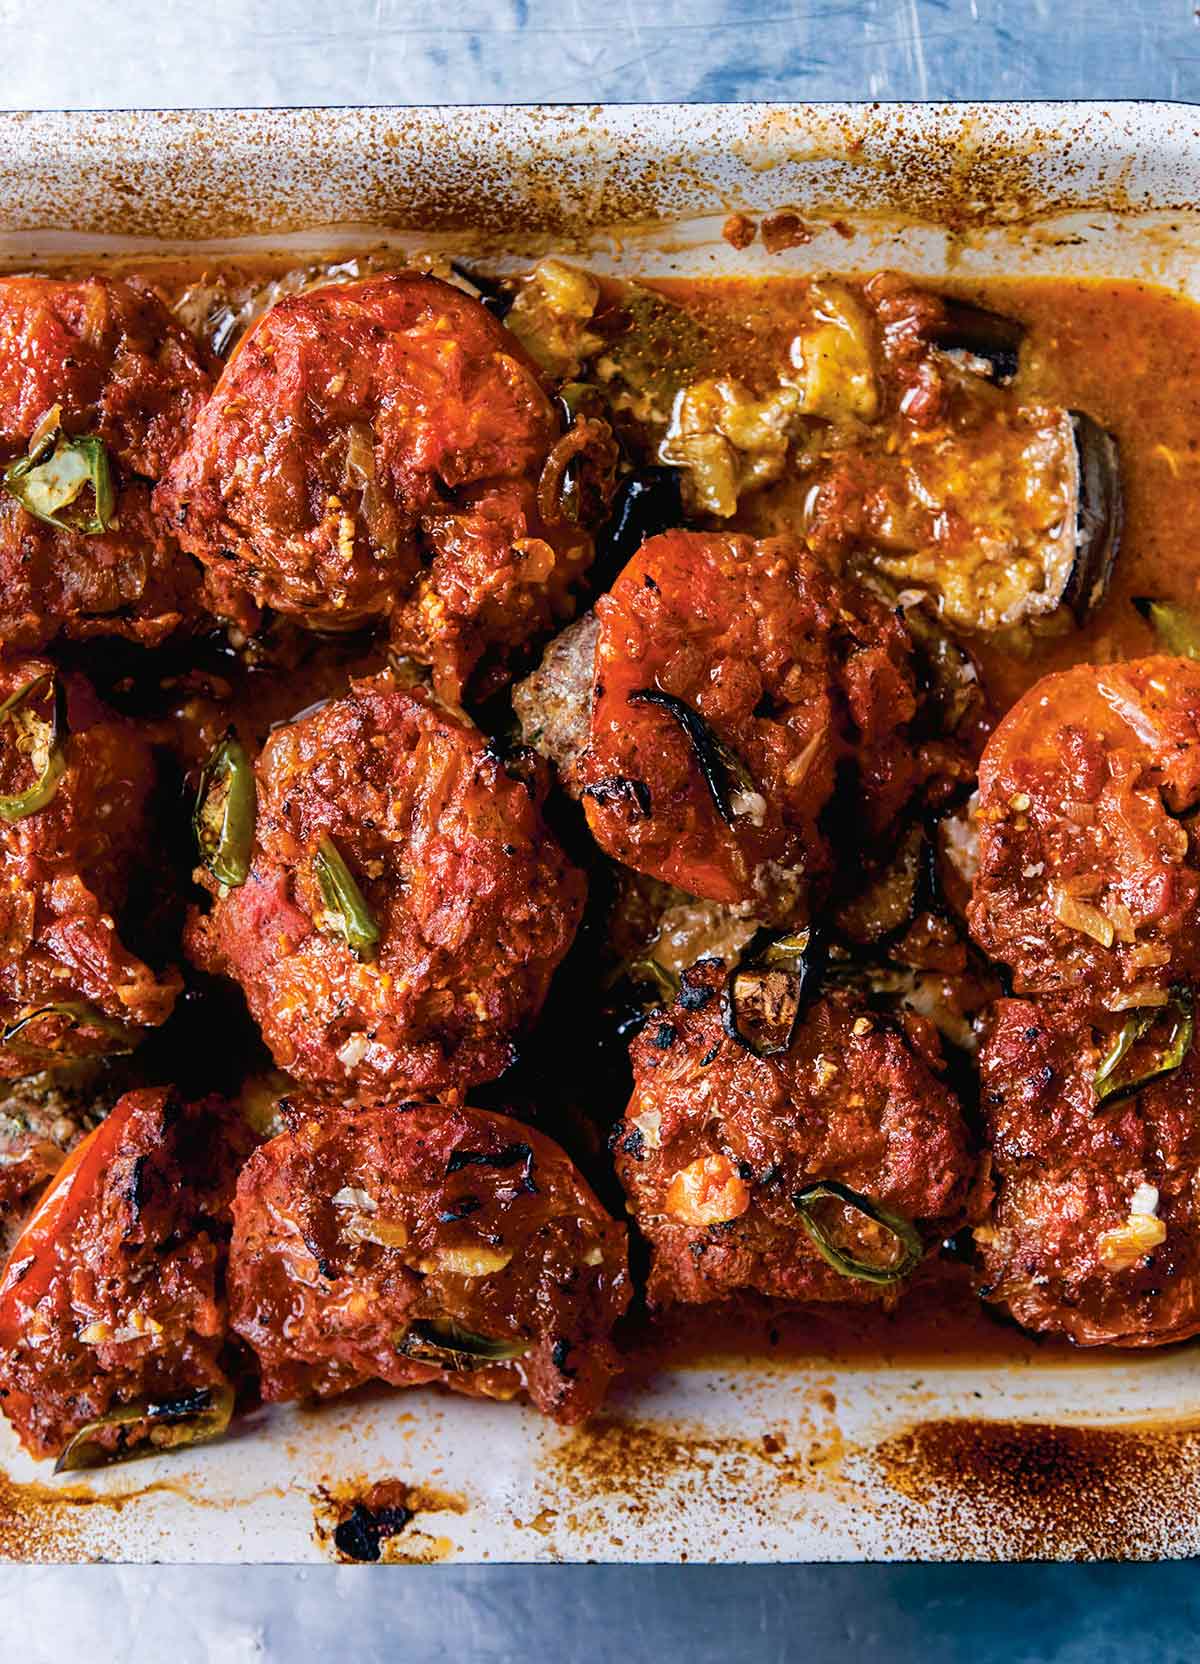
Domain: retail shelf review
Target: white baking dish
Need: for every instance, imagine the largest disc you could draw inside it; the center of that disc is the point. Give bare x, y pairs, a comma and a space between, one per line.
732, 1460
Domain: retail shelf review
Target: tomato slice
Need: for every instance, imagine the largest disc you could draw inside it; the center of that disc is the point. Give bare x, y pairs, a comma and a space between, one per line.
32, 1264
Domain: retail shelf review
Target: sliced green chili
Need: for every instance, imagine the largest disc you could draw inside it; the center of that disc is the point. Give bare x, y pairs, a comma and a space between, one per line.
28, 802
723, 771
190, 1418
764, 994
79, 1014
450, 1346
650, 973
344, 901
1176, 628
226, 806
56, 469
1119, 1075
845, 1264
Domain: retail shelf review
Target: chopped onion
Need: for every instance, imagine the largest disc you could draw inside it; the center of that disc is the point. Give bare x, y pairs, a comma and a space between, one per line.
1079, 915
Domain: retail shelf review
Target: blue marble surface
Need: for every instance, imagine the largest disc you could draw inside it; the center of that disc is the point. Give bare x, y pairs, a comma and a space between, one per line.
256, 52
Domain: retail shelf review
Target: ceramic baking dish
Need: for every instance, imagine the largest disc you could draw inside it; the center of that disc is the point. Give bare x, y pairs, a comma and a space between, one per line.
862, 1457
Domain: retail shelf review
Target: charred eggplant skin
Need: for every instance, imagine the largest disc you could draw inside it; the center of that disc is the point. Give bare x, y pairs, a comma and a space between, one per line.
723, 771
766, 992
990, 337
1101, 516
646, 502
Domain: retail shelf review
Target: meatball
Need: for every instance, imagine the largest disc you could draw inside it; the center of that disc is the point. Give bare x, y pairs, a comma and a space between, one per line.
813, 1173
1089, 865
373, 448
732, 677
412, 1243
405, 906
111, 1308
74, 789
99, 358
1095, 1131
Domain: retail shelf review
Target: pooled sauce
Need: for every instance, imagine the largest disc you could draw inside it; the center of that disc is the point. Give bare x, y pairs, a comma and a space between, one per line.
1127, 353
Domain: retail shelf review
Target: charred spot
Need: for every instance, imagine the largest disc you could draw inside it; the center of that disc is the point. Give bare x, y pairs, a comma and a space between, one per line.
324, 1265
663, 1036
462, 1209
509, 1156
693, 995
745, 1171
518, 762
135, 1191
710, 1055
634, 1143
616, 789
559, 1356
359, 1537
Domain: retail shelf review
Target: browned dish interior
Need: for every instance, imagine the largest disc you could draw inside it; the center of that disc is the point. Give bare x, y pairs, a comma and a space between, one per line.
1125, 352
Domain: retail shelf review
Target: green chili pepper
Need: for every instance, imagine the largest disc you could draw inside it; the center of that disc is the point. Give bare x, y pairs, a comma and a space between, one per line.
1119, 1077
171, 1423
1176, 627
28, 802
845, 1264
647, 971
78, 1013
224, 816
344, 901
54, 472
447, 1344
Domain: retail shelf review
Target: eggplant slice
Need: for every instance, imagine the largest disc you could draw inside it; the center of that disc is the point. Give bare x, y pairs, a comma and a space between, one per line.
766, 991
893, 895
646, 502
985, 343
1099, 515
1038, 494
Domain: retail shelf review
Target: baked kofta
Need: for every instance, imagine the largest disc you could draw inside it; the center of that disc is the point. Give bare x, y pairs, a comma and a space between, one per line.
75, 792
411, 1243
693, 792
810, 1152
399, 904
99, 388
1093, 1127
112, 1310
729, 681
376, 449
1089, 860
